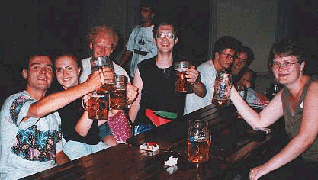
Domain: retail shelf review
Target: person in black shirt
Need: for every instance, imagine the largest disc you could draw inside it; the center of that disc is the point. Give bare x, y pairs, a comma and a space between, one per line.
155, 79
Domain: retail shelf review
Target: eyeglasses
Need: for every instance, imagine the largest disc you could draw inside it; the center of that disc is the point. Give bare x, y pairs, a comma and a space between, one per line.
286, 65
228, 56
168, 35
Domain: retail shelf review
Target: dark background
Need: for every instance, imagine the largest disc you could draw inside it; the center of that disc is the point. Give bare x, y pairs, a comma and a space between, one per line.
63, 24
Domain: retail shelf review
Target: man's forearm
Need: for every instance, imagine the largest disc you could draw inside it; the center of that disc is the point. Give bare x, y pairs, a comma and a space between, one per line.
125, 57
199, 89
57, 100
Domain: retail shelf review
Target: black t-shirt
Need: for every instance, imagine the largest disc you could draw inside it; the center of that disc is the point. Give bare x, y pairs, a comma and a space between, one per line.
70, 114
158, 91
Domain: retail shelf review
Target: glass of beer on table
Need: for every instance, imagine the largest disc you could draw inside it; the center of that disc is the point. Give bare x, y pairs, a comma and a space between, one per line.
198, 141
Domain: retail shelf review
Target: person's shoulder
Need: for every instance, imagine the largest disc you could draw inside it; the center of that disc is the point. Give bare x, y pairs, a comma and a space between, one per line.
19, 97
314, 86
206, 65
148, 62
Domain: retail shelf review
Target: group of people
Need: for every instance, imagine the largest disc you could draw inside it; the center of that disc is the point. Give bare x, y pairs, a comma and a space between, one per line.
39, 130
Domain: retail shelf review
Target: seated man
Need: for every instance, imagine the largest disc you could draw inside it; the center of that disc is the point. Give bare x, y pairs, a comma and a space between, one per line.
297, 102
155, 79
223, 53
102, 41
31, 140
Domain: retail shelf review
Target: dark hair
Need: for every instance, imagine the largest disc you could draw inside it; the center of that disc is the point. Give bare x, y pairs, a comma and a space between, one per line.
288, 47
31, 53
166, 23
153, 10
249, 52
226, 42
71, 54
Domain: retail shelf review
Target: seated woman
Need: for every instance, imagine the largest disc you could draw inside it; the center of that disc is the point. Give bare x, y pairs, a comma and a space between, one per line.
244, 78
297, 103
80, 132
241, 62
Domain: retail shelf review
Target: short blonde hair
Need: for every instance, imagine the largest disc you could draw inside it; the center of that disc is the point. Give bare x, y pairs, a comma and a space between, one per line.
95, 30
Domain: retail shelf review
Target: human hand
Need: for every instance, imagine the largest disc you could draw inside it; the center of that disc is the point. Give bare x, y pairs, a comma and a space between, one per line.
132, 93
258, 172
95, 80
192, 75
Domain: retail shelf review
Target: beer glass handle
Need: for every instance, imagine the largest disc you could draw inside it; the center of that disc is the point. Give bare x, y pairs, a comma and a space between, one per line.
84, 105
87, 96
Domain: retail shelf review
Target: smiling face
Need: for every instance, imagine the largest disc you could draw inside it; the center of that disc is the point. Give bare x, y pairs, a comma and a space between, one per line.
102, 45
39, 76
67, 71
287, 69
163, 40
240, 61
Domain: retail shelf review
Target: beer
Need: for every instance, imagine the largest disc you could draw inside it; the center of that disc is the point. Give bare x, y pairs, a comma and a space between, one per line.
118, 99
97, 107
222, 89
198, 150
181, 84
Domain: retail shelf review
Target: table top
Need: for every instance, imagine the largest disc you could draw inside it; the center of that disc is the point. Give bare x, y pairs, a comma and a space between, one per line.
232, 141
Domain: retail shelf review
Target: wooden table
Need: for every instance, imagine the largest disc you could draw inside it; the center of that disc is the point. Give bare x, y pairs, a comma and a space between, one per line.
232, 142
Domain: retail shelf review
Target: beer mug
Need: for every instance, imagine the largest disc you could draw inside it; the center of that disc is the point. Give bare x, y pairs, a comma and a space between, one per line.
118, 95
222, 89
181, 83
97, 106
98, 64
198, 141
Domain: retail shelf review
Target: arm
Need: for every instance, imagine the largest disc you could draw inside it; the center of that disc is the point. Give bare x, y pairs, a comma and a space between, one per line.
272, 112
136, 104
125, 57
193, 77
306, 136
58, 100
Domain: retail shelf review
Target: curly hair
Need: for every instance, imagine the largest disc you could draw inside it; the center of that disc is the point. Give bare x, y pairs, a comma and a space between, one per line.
95, 30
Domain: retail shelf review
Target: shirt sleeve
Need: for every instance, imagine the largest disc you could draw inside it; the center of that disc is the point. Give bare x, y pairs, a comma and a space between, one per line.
18, 111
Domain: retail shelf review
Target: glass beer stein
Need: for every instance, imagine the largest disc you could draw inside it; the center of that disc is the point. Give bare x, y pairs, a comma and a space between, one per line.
118, 95
181, 84
198, 141
98, 64
97, 106
222, 89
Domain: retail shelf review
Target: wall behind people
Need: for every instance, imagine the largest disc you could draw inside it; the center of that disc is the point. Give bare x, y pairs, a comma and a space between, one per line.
253, 23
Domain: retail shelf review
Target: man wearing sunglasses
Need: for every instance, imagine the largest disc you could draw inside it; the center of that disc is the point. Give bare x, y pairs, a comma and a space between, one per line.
155, 79
223, 53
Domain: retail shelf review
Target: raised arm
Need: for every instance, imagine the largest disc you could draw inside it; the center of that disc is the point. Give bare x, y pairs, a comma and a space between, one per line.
136, 104
306, 136
58, 100
272, 112
194, 78
125, 57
